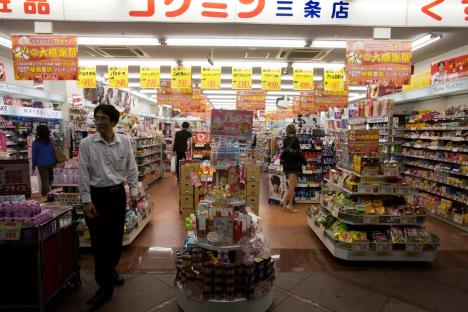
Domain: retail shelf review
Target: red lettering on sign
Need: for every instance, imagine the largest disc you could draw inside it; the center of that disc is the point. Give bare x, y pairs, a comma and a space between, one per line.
426, 9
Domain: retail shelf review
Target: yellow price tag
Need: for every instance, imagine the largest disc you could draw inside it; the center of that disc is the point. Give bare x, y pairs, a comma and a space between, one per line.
150, 77
118, 76
303, 79
242, 78
271, 79
181, 79
210, 78
86, 77
334, 80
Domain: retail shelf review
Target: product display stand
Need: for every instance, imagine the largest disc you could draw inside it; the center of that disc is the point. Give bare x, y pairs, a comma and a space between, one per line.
149, 158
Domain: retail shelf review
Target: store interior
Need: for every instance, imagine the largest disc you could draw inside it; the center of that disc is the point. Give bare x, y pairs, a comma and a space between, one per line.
382, 220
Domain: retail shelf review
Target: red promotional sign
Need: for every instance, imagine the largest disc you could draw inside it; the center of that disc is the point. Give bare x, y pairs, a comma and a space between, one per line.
251, 100
45, 57
380, 62
450, 69
14, 177
319, 100
231, 123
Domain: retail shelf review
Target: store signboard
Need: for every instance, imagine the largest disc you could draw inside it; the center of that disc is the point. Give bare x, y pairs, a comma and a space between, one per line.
181, 79
250, 100
231, 123
45, 57
242, 78
150, 77
14, 177
271, 79
117, 76
20, 111
334, 80
450, 69
378, 62
210, 78
303, 79
396, 13
86, 77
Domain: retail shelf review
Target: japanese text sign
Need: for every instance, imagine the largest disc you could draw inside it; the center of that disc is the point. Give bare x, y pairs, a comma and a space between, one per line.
231, 123
251, 100
242, 78
44, 57
303, 79
150, 77
181, 79
118, 76
271, 79
14, 177
450, 69
210, 78
382, 62
86, 77
334, 80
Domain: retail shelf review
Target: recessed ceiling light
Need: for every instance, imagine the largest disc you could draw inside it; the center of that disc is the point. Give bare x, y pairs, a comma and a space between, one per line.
118, 41
236, 42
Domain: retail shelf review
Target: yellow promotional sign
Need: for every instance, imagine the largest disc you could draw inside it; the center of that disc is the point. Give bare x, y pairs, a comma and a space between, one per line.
150, 77
271, 79
86, 77
303, 79
242, 78
334, 80
118, 76
181, 79
210, 78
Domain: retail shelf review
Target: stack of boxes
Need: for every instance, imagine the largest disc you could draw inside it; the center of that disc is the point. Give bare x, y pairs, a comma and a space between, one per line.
253, 175
186, 190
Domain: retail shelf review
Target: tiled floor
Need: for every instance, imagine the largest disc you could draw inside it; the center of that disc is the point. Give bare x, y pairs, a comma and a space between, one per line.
309, 278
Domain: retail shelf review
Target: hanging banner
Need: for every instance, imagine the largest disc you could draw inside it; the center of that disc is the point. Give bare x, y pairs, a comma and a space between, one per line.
117, 76
334, 80
198, 104
181, 79
271, 79
450, 69
303, 79
378, 62
86, 77
251, 100
231, 123
150, 77
176, 99
319, 100
44, 57
242, 78
210, 78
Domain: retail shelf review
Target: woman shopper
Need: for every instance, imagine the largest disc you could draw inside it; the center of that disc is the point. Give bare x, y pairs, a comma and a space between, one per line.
292, 160
43, 157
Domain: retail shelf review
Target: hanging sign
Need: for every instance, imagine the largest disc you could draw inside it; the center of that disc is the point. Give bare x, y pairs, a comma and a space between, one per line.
303, 79
118, 76
14, 177
44, 57
334, 80
251, 100
181, 79
150, 77
378, 62
242, 78
210, 78
86, 77
271, 79
231, 123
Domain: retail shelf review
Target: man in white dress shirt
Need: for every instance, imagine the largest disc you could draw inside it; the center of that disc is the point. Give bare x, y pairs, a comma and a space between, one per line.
106, 163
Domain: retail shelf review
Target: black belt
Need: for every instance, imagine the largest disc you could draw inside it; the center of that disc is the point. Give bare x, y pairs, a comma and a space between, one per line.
111, 189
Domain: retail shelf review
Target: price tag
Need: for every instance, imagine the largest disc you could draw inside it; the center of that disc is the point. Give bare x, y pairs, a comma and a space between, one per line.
414, 247
335, 211
408, 220
370, 219
361, 246
10, 233
383, 247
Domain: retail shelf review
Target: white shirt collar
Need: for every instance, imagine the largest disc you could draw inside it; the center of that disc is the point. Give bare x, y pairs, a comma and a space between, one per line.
98, 138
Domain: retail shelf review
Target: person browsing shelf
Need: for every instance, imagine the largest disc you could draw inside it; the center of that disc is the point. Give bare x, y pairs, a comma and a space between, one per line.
43, 158
180, 144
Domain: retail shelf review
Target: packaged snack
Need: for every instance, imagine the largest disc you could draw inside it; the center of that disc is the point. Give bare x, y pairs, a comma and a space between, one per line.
397, 235
424, 236
411, 234
358, 236
378, 236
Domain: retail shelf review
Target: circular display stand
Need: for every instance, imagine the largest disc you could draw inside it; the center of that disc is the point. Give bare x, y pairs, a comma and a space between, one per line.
188, 304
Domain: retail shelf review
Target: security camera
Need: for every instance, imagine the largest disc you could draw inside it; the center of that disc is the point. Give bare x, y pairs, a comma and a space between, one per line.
211, 58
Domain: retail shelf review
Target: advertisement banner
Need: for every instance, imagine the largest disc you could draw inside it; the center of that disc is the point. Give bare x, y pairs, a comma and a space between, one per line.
231, 123
271, 79
210, 78
251, 100
198, 102
181, 79
117, 76
14, 177
450, 69
419, 80
45, 57
319, 100
334, 80
303, 79
242, 78
378, 62
86, 77
150, 77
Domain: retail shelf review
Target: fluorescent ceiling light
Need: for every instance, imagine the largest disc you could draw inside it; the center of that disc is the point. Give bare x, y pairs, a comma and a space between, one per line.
5, 42
150, 91
118, 41
357, 88
123, 62
219, 91
234, 63
304, 65
357, 98
424, 41
236, 42
339, 44
220, 96
283, 93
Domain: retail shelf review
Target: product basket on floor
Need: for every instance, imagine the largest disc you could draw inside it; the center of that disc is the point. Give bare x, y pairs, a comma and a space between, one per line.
41, 259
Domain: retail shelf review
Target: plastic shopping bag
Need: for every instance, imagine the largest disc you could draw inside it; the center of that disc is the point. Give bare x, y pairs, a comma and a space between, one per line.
173, 163
35, 187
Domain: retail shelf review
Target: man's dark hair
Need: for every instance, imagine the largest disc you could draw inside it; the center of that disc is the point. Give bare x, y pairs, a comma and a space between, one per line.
185, 125
108, 110
275, 180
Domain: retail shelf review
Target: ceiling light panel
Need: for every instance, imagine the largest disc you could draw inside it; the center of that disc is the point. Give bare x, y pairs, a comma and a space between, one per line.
332, 44
6, 42
236, 42
118, 41
424, 41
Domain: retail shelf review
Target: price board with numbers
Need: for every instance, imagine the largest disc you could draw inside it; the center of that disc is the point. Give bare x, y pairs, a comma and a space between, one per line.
86, 77
242, 78
271, 79
303, 79
118, 76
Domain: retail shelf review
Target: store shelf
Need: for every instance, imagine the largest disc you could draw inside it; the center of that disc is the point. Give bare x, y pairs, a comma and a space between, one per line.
437, 181
209, 246
343, 189
448, 221
371, 255
444, 195
436, 170
149, 163
65, 185
432, 138
312, 201
437, 148
147, 146
436, 129
436, 159
308, 186
143, 156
